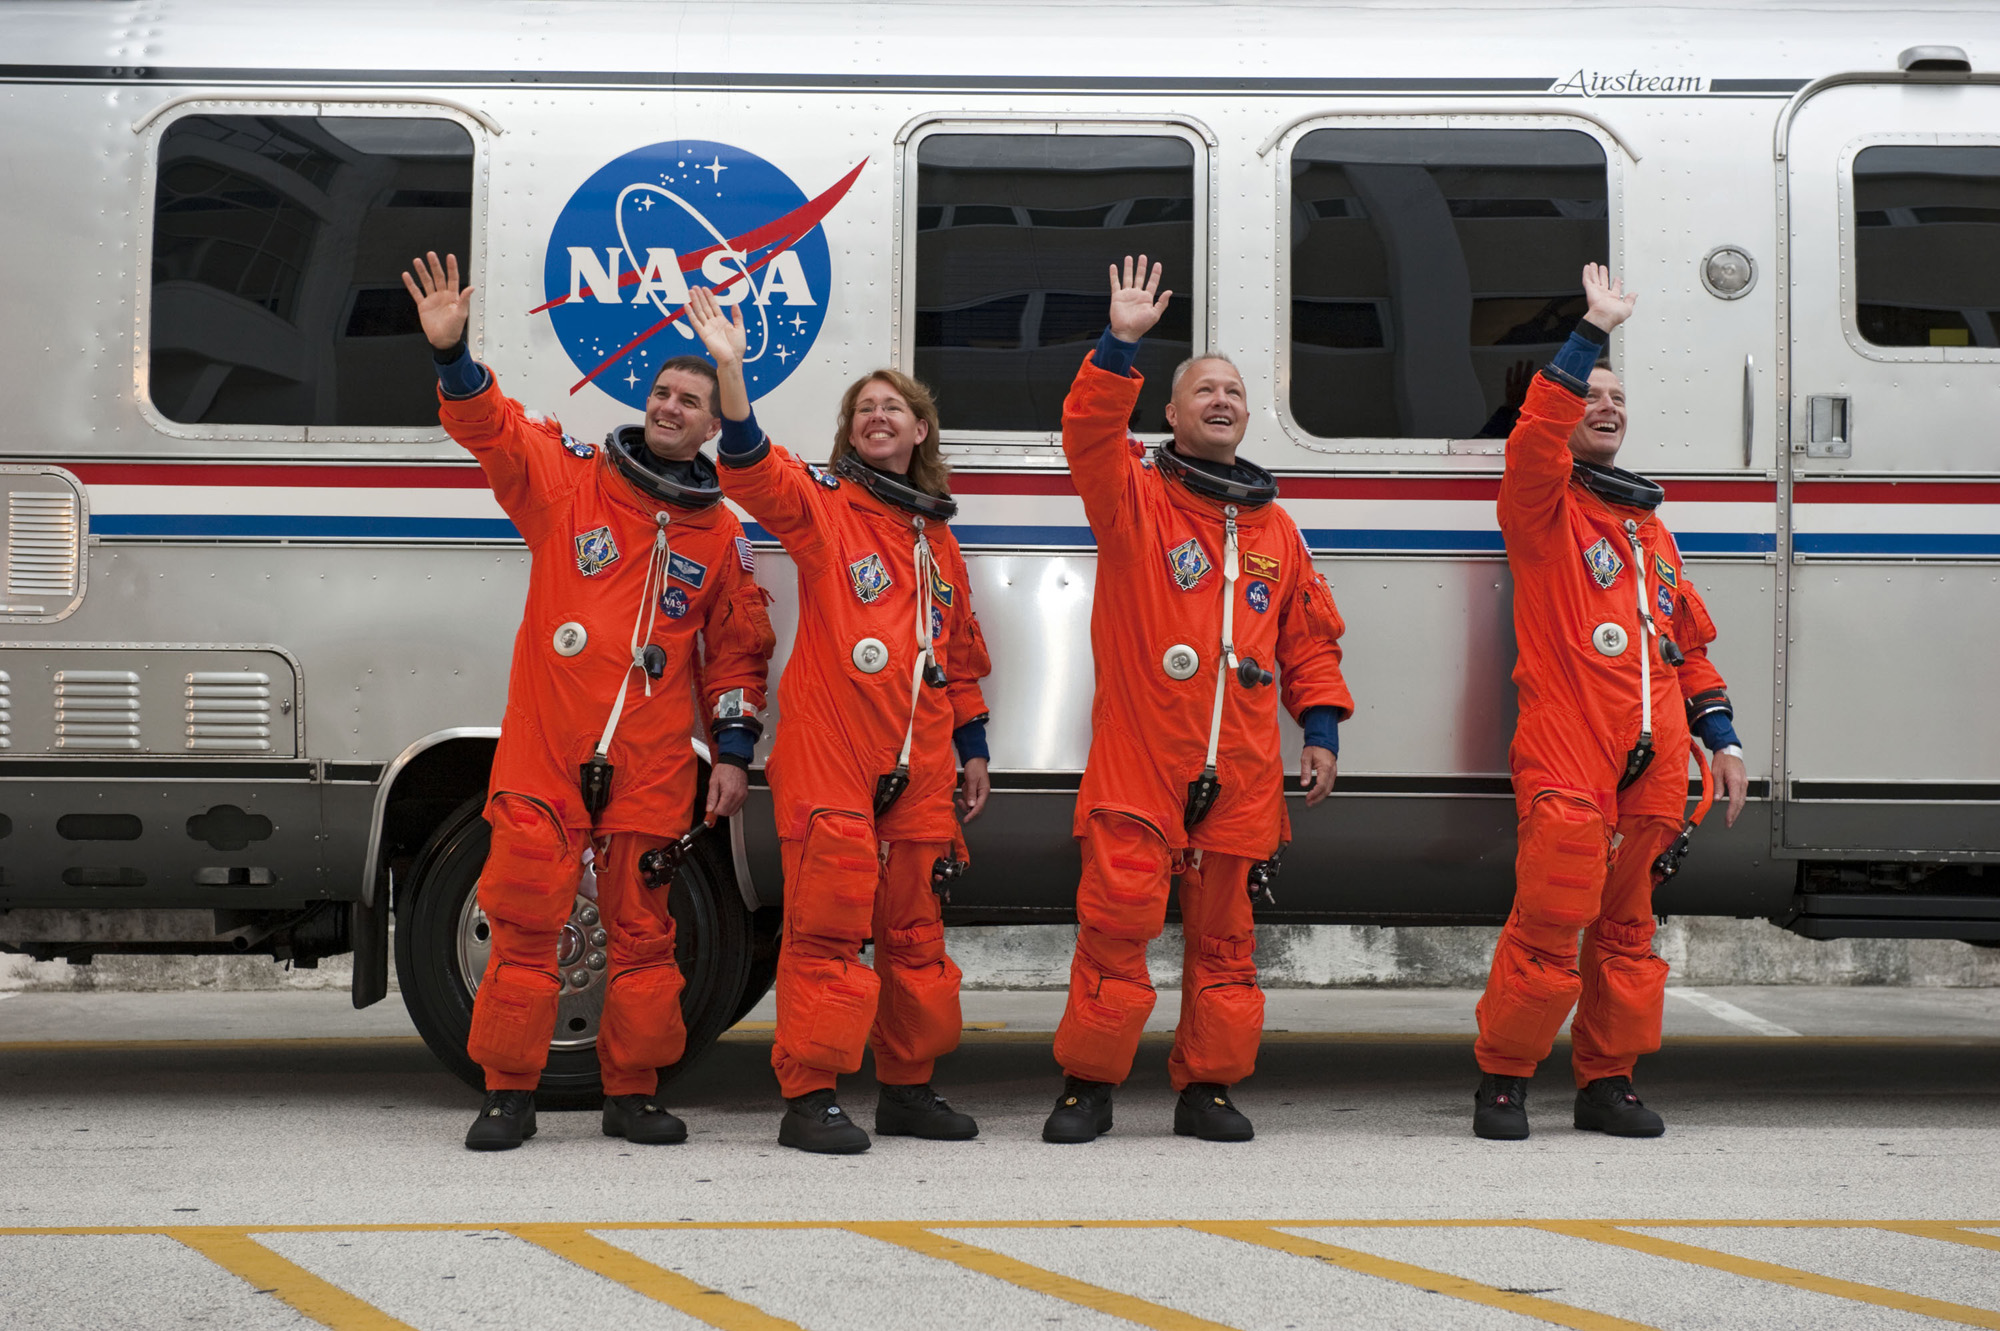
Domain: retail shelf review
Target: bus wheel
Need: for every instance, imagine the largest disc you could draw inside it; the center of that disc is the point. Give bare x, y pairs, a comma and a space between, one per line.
442, 940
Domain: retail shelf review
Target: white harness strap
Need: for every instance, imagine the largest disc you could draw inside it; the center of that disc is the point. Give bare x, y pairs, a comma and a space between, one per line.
926, 568
642, 631
1226, 662
1649, 632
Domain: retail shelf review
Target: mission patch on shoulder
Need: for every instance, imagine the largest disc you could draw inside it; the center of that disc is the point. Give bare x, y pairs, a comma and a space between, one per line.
823, 476
578, 448
745, 555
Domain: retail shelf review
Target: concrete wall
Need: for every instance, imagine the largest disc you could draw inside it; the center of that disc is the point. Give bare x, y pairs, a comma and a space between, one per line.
1702, 951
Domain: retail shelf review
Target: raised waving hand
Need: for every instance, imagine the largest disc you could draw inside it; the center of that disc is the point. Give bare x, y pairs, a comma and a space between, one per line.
1610, 304
442, 308
1134, 311
724, 336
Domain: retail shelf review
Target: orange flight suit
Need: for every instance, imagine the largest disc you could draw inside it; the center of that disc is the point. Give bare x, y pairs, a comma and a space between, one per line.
1586, 848
849, 875
1160, 585
590, 536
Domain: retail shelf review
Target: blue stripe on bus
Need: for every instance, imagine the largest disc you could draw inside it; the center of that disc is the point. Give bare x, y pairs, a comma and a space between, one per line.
294, 525
1896, 543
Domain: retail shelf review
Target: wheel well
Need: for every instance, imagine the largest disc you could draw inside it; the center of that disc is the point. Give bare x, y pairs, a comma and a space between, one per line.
425, 793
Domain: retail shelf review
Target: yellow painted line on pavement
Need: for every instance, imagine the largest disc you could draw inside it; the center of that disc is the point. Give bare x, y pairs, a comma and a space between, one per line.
1944, 1231
252, 1042
1419, 1277
1771, 1272
237, 1253
987, 1262
573, 1243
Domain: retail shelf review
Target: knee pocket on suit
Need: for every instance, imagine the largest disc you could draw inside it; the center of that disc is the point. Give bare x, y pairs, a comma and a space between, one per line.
1101, 1028
532, 865
1525, 1003
834, 896
1563, 858
642, 1026
1123, 891
1626, 1006
825, 1009
919, 1015
513, 1019
1223, 1028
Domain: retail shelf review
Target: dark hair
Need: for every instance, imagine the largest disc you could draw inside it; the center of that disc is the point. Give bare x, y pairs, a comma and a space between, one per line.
696, 365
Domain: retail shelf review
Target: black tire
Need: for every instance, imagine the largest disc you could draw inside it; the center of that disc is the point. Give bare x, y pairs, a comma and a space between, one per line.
765, 928
712, 945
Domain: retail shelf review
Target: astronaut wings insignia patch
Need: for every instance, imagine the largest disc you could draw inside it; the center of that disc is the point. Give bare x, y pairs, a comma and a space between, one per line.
1603, 562
1188, 562
595, 552
869, 577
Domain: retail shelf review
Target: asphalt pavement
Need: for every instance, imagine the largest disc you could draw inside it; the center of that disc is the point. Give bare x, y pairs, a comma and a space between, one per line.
270, 1160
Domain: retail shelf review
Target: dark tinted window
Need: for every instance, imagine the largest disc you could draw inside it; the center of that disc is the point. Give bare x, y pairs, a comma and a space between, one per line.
1427, 264
277, 245
1927, 245
1014, 235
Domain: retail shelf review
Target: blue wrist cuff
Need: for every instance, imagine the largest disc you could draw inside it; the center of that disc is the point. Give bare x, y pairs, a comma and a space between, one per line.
1716, 732
742, 442
462, 377
1322, 727
1115, 355
1579, 355
970, 741
736, 742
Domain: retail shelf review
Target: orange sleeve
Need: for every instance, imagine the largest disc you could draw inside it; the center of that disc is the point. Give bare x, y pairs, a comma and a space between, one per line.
784, 497
965, 652
1309, 633
1095, 416
522, 454
736, 638
1538, 469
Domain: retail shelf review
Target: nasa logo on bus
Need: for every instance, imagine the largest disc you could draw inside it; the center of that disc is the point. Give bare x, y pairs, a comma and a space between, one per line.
643, 227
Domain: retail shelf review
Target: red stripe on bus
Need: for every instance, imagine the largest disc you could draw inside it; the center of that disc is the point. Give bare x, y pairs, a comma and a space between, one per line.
315, 476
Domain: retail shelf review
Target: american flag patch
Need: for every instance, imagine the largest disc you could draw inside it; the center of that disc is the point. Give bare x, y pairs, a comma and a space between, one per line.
746, 556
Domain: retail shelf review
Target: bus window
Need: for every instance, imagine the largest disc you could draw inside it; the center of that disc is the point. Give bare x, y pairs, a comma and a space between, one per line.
1428, 265
1927, 245
1014, 236
277, 245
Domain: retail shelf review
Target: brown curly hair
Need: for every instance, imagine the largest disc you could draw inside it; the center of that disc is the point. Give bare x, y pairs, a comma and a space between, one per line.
928, 470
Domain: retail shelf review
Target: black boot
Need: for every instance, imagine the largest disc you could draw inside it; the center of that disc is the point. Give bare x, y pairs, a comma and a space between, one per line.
919, 1111
1204, 1111
1500, 1108
814, 1122
642, 1120
505, 1121
1082, 1114
1608, 1105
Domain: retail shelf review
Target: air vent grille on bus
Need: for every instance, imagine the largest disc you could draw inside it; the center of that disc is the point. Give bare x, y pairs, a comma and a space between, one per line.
6, 712
42, 537
97, 709
229, 711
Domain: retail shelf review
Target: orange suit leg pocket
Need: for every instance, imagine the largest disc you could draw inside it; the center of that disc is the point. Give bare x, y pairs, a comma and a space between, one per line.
832, 896
1102, 1023
513, 1019
1623, 1018
1525, 1003
825, 1009
1559, 871
642, 1025
920, 1018
1123, 891
532, 865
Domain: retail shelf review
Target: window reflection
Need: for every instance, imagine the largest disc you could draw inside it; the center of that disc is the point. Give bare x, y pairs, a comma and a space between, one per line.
1927, 245
277, 244
1014, 235
1427, 266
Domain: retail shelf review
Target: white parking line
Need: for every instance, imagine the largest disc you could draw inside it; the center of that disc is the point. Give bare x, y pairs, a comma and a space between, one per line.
1734, 1015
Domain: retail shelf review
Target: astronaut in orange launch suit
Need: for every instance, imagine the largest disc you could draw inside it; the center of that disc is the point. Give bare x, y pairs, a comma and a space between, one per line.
1613, 675
1204, 587
633, 559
